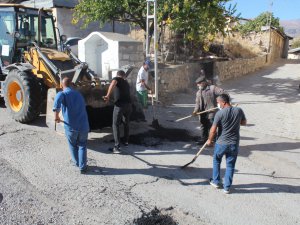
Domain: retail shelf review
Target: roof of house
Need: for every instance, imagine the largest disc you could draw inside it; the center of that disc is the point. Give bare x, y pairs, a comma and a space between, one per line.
51, 3
118, 37
111, 36
284, 35
295, 50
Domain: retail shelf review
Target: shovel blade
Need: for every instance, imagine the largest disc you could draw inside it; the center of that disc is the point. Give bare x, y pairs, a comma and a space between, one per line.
155, 124
186, 165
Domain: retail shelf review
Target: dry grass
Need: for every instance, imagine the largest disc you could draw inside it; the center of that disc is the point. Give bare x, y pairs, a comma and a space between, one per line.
234, 47
296, 43
238, 47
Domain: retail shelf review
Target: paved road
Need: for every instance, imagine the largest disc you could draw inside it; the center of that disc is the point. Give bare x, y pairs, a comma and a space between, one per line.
39, 185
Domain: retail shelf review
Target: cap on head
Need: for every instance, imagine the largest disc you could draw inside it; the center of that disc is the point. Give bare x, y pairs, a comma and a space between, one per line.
148, 63
200, 79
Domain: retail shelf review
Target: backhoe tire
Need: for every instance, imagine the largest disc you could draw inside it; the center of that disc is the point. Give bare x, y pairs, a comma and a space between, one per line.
22, 96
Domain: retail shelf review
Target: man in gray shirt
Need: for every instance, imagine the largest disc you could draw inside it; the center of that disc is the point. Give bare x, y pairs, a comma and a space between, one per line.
227, 121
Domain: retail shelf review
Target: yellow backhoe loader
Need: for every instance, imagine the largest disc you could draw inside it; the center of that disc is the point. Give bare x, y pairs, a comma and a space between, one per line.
32, 68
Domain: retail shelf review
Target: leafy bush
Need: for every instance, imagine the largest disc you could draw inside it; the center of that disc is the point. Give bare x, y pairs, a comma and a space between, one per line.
296, 43
256, 24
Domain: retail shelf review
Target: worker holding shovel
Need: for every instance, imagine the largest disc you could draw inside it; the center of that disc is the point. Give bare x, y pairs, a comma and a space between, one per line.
142, 87
228, 122
206, 101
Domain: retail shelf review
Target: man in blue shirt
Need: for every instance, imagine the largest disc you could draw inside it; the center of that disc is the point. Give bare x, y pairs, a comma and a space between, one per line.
76, 124
228, 121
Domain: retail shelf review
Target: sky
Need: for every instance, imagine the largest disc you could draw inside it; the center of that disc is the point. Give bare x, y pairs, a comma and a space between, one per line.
284, 9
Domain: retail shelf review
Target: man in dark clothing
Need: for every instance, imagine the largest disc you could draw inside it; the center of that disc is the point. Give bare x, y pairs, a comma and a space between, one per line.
76, 124
205, 100
228, 121
122, 108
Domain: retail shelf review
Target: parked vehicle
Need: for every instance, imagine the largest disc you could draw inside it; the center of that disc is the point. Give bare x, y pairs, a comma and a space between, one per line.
31, 68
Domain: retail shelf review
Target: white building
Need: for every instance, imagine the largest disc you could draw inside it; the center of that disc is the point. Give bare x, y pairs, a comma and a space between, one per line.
62, 10
294, 53
106, 52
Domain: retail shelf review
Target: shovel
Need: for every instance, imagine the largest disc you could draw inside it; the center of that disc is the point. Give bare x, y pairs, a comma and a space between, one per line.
196, 156
199, 113
155, 123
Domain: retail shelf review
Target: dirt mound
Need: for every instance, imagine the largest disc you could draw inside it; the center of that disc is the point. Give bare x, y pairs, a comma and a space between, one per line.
155, 217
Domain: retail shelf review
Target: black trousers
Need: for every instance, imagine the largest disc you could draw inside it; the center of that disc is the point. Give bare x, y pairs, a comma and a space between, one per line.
121, 114
205, 125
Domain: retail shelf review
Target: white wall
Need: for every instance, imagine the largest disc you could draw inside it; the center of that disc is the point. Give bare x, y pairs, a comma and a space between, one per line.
64, 23
293, 56
106, 52
100, 53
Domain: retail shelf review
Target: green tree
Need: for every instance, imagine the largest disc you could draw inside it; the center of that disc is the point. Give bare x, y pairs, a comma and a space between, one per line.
199, 20
105, 11
262, 20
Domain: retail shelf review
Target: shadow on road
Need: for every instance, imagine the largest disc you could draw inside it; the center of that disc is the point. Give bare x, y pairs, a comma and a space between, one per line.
268, 188
2, 103
183, 175
269, 175
159, 171
271, 147
281, 89
40, 121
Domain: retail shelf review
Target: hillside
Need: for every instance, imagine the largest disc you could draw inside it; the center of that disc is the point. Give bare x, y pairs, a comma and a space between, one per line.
291, 27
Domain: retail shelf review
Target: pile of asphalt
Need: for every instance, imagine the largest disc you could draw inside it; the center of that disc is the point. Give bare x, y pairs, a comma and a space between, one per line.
159, 135
155, 217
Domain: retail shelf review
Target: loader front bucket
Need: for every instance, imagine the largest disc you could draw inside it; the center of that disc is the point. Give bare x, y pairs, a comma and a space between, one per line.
99, 113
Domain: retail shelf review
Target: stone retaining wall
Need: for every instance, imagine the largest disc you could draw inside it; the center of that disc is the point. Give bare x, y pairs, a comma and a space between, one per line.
239, 67
231, 69
176, 78
180, 78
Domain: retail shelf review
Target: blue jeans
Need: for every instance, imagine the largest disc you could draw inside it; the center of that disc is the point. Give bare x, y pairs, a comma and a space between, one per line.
77, 144
231, 153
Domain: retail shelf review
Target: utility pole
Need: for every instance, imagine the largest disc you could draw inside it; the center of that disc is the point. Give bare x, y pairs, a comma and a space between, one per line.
152, 8
270, 22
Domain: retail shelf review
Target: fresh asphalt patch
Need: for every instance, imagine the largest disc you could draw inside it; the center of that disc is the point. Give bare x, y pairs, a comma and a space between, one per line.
155, 217
159, 135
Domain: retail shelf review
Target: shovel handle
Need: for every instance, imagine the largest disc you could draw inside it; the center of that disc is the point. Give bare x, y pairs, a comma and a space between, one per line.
199, 113
201, 149
212, 109
152, 101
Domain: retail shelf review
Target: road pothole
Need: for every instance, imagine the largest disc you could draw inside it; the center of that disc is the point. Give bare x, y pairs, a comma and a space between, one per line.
155, 217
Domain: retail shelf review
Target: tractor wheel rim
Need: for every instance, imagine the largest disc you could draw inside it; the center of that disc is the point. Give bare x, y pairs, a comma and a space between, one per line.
15, 96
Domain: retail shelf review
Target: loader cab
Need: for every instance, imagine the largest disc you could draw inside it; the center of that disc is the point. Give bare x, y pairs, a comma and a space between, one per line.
7, 30
20, 26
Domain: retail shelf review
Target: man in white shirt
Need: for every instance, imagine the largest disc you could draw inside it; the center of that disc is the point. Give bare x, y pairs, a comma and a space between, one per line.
142, 84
